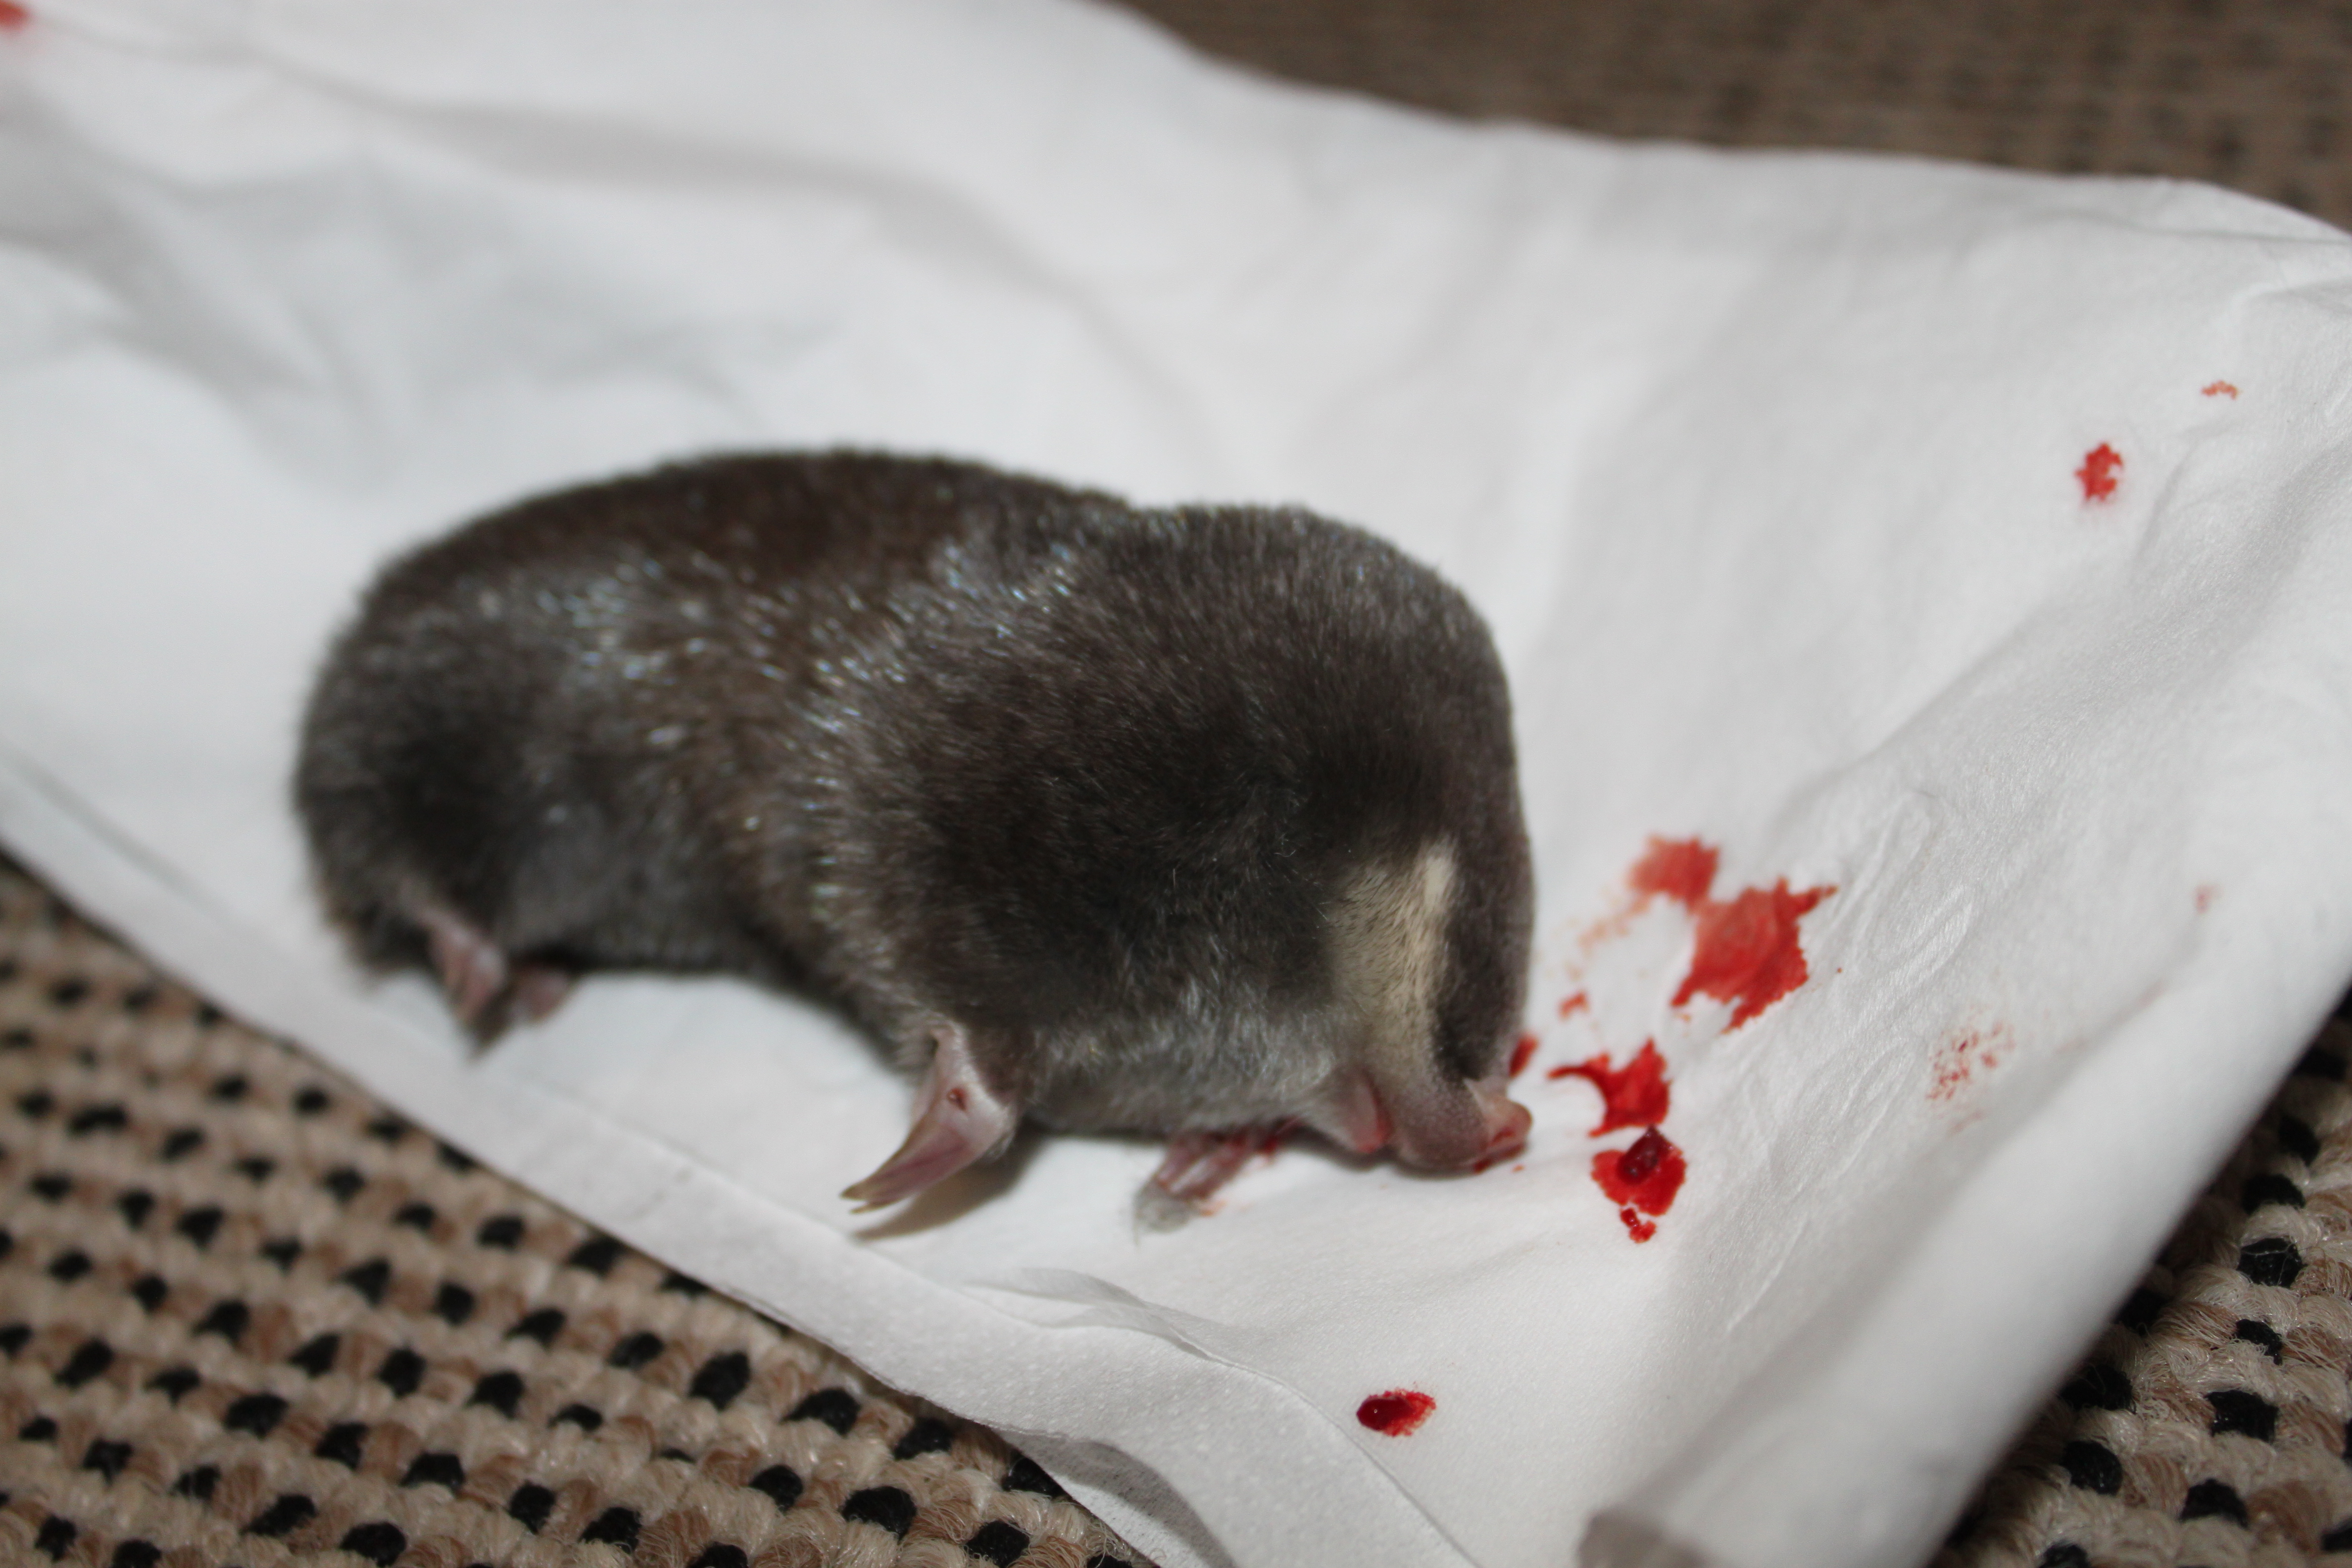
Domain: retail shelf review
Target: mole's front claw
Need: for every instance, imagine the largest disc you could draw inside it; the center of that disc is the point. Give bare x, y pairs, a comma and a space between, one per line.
959, 1119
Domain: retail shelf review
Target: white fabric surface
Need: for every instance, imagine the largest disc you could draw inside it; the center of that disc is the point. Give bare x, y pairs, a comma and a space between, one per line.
1763, 468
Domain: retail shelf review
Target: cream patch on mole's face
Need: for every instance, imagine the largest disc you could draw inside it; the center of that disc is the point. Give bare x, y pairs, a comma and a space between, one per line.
1389, 954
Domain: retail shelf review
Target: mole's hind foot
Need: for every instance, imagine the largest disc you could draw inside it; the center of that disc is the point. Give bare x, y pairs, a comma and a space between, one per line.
539, 989
1198, 1166
485, 990
472, 968
532, 992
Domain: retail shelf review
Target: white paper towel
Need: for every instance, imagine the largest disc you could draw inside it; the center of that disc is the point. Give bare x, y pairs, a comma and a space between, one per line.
1961, 555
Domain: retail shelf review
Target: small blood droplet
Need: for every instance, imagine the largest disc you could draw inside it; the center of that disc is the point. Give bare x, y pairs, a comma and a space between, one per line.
1521, 1053
13, 15
1576, 1002
2097, 473
2220, 389
1637, 1227
1397, 1414
1634, 1095
1681, 869
1645, 1176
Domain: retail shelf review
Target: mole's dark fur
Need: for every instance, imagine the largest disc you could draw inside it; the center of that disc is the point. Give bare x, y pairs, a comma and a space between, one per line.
1172, 821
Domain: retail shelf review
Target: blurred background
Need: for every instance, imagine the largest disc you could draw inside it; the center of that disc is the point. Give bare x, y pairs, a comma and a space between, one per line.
2244, 93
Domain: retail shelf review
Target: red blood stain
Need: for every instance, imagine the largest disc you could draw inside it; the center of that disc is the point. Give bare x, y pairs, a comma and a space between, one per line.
1399, 1412
1634, 1095
1575, 1001
1637, 1227
1747, 952
13, 15
2204, 898
2098, 471
1520, 1053
2220, 389
1681, 869
1645, 1176
1959, 1057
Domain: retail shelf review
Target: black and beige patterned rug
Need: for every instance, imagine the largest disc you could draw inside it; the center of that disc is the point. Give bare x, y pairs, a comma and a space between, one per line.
2253, 94
2208, 1425
250, 1317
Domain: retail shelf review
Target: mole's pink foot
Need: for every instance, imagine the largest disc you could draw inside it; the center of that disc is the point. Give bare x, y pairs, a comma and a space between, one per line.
539, 989
1200, 1164
473, 970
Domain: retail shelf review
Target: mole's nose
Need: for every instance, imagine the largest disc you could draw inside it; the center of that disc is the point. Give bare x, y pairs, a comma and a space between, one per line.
1458, 1127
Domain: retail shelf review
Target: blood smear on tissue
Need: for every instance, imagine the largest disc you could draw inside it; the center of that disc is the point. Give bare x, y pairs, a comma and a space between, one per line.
1635, 1094
1966, 1053
1747, 952
1681, 869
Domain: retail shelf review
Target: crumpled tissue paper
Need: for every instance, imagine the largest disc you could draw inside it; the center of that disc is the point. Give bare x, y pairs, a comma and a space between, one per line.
1924, 590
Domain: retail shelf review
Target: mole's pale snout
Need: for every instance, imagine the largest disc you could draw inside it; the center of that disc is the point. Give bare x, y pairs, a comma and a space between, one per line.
1469, 1124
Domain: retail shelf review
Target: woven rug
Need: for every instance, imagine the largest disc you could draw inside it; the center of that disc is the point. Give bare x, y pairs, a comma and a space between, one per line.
2208, 1425
250, 1317
2253, 96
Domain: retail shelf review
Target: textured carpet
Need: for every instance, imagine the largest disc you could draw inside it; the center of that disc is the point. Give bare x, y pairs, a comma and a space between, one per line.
249, 1317
2248, 93
2208, 1425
